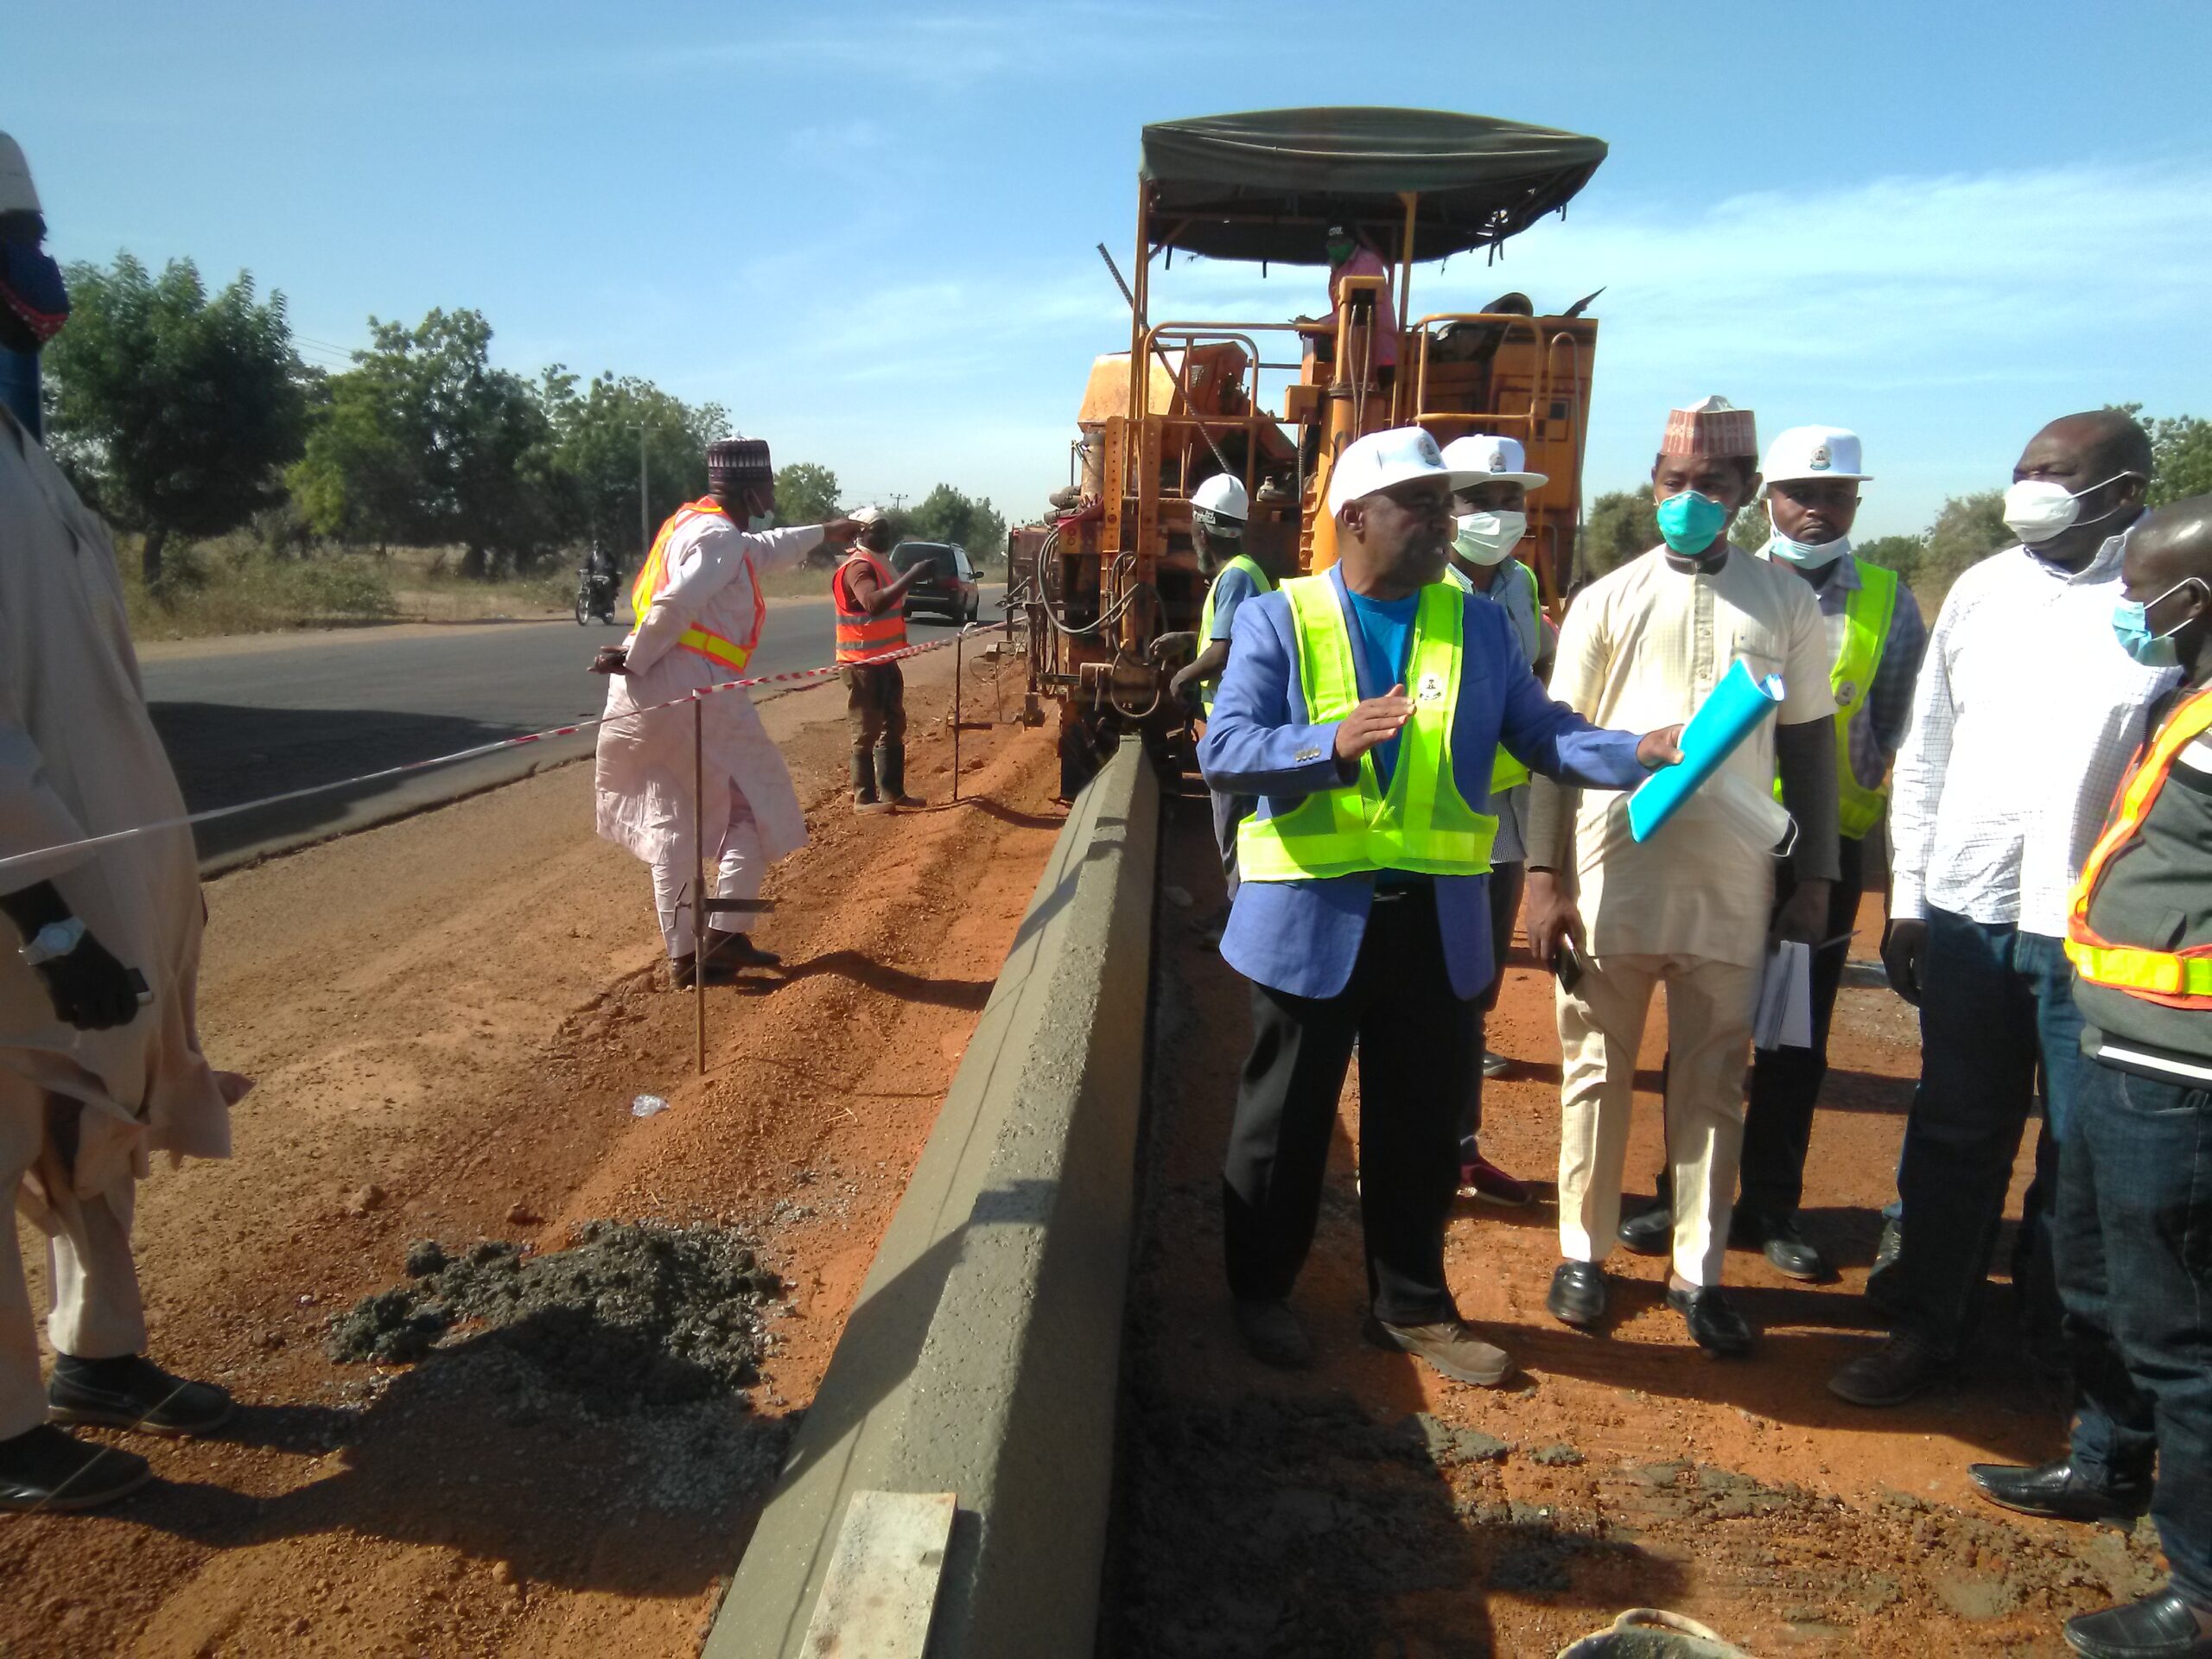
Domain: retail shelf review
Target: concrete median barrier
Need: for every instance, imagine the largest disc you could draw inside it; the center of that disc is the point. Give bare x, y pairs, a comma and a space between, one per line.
983, 1355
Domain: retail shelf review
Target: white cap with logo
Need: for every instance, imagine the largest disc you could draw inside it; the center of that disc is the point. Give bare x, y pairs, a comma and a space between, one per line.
1499, 460
1814, 452
868, 516
1383, 459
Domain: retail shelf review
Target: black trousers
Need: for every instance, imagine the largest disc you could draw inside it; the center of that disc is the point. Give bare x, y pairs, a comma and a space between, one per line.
1506, 882
1786, 1082
1412, 1034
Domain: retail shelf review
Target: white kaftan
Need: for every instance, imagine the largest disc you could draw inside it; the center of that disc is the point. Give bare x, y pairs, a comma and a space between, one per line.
644, 776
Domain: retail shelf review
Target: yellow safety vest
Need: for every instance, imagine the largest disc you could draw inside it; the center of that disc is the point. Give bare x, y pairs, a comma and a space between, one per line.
1867, 613
652, 576
2176, 979
1250, 567
1505, 772
1423, 823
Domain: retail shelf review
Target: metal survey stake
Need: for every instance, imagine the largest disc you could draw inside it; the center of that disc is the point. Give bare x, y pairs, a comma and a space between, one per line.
698, 878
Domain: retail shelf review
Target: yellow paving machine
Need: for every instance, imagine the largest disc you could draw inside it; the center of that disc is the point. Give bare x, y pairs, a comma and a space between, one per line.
1114, 570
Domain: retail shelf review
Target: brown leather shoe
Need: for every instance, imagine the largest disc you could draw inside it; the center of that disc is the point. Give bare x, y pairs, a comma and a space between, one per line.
1450, 1345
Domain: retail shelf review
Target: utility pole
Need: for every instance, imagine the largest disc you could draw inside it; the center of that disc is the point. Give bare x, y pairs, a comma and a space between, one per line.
644, 511
897, 502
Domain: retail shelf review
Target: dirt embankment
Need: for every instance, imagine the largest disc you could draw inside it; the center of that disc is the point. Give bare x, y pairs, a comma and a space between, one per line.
451, 1018
1369, 1508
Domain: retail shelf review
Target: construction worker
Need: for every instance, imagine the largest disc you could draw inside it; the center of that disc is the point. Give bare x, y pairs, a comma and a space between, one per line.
1219, 512
100, 1065
1693, 907
1363, 915
870, 599
2134, 1206
2024, 716
699, 608
1491, 514
1876, 637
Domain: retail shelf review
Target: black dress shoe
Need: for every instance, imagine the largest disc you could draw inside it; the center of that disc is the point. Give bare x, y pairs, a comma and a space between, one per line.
1790, 1254
738, 950
2160, 1626
1714, 1323
1272, 1334
1892, 1374
131, 1392
2056, 1492
46, 1468
1650, 1230
1577, 1294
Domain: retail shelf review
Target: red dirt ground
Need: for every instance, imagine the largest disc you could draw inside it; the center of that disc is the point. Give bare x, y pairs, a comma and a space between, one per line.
457, 1010
1318, 1515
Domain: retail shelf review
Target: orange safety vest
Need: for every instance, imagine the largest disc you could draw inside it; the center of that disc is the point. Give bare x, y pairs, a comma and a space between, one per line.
860, 636
2174, 979
653, 578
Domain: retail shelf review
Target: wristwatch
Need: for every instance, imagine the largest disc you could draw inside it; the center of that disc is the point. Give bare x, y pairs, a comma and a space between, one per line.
55, 939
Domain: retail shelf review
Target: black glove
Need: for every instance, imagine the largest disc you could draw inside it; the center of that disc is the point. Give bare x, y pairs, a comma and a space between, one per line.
89, 989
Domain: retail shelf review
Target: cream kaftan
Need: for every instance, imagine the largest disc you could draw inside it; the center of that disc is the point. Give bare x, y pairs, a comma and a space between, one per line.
644, 776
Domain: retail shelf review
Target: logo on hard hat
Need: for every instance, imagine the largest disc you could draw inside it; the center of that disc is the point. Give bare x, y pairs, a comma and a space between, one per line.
1429, 452
1497, 461
1820, 463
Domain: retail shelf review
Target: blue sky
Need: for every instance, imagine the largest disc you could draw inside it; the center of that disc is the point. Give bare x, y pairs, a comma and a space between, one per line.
868, 230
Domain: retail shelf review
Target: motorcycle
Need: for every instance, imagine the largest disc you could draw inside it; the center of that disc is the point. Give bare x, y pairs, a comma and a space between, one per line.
595, 595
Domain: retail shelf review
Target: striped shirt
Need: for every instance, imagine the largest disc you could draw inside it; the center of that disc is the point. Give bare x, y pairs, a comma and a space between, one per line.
2025, 716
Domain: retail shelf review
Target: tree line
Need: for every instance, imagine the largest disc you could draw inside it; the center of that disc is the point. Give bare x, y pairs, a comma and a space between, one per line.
182, 413
1967, 529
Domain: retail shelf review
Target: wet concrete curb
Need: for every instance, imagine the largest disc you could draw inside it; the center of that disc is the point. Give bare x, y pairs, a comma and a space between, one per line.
982, 1355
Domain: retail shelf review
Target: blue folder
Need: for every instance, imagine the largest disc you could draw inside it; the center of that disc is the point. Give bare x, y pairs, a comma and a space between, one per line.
1736, 708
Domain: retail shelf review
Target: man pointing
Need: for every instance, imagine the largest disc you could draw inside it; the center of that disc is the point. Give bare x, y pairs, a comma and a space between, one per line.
699, 609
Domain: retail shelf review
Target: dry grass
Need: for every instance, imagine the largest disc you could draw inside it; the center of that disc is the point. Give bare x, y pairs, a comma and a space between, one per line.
235, 584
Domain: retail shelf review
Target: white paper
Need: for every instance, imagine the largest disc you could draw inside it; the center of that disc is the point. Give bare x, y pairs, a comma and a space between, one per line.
1785, 1011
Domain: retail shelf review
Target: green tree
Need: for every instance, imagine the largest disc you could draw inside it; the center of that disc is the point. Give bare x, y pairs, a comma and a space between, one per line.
1967, 531
595, 453
1753, 527
1620, 525
172, 407
1902, 554
2182, 446
426, 443
947, 515
806, 494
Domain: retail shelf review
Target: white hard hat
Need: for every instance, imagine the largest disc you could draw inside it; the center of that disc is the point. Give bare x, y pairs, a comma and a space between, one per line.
1501, 460
1224, 497
17, 193
1814, 452
868, 516
1383, 459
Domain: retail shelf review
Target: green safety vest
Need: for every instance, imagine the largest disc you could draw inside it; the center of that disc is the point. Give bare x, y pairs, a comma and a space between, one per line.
1867, 615
1423, 823
1250, 567
1505, 772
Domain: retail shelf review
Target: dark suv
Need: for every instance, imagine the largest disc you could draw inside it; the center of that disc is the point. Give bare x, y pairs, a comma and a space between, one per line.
950, 589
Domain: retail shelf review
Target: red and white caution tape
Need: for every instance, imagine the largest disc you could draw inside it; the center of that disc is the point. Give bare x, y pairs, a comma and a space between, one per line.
45, 854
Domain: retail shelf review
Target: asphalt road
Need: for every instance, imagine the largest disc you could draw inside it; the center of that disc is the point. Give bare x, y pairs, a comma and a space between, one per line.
253, 722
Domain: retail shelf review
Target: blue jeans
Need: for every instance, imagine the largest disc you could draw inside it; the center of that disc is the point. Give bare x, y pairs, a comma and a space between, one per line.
1996, 1004
2134, 1232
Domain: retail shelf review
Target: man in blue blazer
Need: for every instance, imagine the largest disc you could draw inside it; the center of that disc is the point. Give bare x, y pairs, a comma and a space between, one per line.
1363, 916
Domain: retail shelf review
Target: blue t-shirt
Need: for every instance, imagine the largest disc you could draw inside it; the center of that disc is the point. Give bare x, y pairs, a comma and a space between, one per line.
1384, 629
1230, 588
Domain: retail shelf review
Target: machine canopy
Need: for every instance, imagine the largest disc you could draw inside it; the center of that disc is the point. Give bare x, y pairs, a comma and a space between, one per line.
1268, 184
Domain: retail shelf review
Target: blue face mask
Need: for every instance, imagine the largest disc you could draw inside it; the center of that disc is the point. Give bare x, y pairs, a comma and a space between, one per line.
1690, 522
2131, 626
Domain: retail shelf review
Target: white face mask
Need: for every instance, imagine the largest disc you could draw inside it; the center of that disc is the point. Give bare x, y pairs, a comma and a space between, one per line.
1812, 554
2036, 510
1487, 537
761, 521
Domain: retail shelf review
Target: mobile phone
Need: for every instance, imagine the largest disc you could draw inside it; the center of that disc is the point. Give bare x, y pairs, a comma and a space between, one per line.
1566, 965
